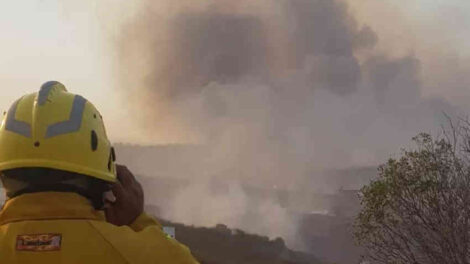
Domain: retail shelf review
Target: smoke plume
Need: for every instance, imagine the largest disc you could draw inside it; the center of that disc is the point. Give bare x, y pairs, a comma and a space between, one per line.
275, 90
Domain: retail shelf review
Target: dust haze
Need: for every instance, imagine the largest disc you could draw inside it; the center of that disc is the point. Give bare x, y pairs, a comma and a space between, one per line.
276, 91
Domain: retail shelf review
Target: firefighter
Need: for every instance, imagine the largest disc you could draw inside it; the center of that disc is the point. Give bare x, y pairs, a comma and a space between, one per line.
58, 167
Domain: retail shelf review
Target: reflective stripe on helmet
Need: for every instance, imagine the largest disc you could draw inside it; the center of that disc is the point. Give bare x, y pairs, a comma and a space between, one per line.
44, 92
73, 124
16, 126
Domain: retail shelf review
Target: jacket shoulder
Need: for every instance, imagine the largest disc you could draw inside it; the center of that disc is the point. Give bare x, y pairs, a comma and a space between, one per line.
149, 245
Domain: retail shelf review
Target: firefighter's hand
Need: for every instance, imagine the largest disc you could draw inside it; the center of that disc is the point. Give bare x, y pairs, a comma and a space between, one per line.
129, 203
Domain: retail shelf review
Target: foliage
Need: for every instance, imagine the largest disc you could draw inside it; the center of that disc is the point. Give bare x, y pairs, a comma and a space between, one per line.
418, 209
221, 245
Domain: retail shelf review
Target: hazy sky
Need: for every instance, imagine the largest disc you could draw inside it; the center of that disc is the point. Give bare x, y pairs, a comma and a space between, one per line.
73, 42
45, 40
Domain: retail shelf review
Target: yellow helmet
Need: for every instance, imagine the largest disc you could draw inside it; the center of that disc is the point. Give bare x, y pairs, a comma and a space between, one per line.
58, 130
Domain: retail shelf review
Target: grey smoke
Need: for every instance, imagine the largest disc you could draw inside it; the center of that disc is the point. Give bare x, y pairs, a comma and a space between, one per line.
275, 97
215, 47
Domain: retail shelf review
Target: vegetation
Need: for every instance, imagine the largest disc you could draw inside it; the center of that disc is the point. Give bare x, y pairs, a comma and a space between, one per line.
418, 209
221, 245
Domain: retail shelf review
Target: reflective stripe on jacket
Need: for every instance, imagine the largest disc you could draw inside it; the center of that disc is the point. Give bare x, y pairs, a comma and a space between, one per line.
53, 227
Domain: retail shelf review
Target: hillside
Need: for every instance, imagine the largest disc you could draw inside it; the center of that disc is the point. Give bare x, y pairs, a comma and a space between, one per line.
221, 245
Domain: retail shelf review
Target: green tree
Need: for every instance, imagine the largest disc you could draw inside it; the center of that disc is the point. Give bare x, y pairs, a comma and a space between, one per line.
418, 209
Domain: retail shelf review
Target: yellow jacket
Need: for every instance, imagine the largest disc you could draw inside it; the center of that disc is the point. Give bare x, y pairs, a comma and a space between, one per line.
55, 227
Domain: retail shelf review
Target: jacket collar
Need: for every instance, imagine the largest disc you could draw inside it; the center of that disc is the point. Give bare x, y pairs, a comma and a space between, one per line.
48, 206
